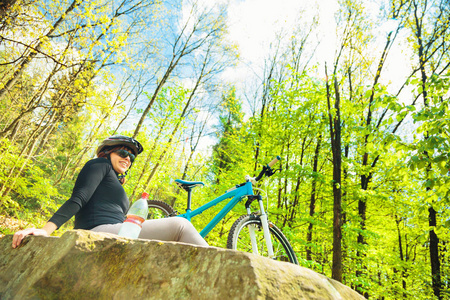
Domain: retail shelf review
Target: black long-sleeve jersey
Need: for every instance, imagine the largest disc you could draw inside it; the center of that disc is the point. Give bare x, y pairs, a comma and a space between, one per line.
97, 198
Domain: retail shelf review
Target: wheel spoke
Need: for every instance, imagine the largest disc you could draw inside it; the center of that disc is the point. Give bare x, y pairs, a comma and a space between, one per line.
239, 239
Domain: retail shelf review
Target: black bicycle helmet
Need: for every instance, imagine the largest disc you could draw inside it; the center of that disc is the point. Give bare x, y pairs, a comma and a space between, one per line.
115, 140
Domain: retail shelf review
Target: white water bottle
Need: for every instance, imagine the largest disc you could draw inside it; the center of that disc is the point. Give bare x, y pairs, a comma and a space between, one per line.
136, 215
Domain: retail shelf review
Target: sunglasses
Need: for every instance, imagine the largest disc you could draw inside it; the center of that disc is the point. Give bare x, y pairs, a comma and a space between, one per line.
124, 153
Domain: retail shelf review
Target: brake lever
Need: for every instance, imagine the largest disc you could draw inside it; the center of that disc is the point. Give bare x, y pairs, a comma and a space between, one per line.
270, 172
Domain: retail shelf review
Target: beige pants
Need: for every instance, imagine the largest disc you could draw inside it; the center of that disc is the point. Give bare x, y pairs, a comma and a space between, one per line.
174, 229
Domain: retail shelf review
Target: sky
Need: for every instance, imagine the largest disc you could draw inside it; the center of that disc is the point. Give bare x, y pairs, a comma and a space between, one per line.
254, 24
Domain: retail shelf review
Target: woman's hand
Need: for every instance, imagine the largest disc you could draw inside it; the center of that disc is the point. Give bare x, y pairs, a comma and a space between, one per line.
45, 231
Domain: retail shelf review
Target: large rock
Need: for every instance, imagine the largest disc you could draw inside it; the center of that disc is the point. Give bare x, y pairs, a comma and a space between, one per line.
87, 265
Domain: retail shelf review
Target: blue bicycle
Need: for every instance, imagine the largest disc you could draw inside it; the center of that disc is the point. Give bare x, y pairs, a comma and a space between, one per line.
252, 232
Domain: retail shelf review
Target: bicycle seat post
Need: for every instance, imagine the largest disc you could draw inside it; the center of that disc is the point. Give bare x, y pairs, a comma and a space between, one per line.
188, 208
188, 186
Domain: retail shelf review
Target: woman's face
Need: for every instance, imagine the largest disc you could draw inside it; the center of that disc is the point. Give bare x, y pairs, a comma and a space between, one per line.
120, 164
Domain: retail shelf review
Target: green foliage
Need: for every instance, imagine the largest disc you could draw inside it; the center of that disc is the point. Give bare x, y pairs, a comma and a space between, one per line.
34, 196
232, 138
96, 66
431, 150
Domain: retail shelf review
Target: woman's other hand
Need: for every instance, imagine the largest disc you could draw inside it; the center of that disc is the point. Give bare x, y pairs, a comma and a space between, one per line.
45, 231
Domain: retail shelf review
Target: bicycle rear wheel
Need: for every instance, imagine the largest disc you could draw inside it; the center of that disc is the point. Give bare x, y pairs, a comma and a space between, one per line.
239, 239
159, 209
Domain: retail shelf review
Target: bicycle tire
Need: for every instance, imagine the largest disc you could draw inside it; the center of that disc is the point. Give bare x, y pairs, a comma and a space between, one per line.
159, 209
238, 239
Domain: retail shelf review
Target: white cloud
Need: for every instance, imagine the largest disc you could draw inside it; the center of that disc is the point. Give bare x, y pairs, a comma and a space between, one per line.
254, 25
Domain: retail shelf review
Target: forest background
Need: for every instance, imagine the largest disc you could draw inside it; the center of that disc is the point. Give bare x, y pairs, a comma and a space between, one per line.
363, 194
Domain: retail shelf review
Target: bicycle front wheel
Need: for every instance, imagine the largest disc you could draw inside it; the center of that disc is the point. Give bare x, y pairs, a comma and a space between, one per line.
159, 209
239, 239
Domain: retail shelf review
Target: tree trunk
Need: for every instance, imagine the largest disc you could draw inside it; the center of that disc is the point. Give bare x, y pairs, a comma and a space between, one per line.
312, 202
175, 130
26, 61
149, 157
434, 254
403, 258
335, 133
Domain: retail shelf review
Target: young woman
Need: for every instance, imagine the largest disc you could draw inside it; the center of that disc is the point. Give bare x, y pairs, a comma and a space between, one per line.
99, 202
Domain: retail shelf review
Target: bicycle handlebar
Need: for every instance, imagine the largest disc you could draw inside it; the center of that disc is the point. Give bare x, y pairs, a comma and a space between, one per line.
267, 170
274, 161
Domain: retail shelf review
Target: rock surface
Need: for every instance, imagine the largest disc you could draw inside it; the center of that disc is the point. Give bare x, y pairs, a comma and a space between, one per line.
88, 265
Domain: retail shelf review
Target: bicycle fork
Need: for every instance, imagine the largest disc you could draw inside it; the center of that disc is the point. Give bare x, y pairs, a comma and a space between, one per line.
265, 224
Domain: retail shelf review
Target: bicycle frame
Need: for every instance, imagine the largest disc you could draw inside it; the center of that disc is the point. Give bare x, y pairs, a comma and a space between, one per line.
237, 194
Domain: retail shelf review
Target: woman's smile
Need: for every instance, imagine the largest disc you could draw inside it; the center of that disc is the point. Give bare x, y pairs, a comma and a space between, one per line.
120, 164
